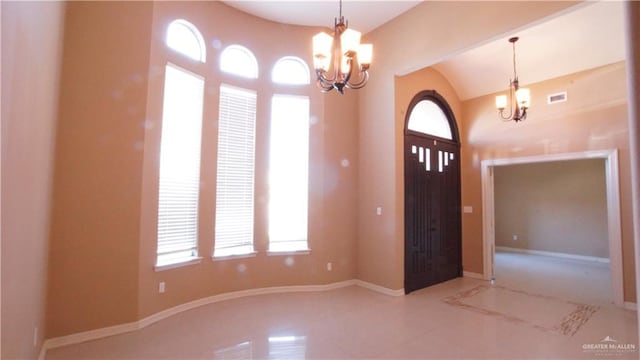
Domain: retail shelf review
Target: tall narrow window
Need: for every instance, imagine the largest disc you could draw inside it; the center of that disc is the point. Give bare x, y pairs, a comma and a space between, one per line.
288, 173
235, 177
179, 166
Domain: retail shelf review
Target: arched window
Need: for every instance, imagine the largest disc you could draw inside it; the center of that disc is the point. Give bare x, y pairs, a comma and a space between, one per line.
184, 37
427, 117
290, 70
239, 60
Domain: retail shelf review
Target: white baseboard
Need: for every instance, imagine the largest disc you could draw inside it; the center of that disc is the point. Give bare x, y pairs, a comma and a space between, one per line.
630, 306
380, 289
554, 254
43, 352
136, 325
239, 294
91, 335
472, 275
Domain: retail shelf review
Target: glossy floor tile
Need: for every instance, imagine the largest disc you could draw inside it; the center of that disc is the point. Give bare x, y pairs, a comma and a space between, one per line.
578, 280
462, 318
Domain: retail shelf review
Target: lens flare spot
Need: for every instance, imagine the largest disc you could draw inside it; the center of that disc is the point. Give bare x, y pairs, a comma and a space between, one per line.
289, 261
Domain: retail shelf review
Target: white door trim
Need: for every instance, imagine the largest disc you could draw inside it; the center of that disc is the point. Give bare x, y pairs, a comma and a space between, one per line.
613, 209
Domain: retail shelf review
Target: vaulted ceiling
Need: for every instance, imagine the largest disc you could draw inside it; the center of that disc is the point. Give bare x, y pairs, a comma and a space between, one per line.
587, 36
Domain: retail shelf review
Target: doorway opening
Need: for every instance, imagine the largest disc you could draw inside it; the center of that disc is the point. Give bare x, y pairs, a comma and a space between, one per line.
612, 231
433, 234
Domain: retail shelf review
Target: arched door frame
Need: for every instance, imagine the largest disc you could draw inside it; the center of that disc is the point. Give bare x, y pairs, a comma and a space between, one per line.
432, 95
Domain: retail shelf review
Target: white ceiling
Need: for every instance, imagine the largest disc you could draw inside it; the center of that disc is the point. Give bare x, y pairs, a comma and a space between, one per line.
588, 37
363, 15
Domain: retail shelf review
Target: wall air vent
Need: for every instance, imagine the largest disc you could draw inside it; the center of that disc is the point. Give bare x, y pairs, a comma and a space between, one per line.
557, 98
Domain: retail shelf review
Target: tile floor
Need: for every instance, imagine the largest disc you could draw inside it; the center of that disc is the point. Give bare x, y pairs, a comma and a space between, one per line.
566, 278
462, 318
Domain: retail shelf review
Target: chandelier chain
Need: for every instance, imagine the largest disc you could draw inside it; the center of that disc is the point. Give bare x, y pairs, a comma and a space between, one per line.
515, 75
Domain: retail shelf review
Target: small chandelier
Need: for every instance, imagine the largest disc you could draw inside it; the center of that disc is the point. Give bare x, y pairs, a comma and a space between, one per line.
522, 96
347, 52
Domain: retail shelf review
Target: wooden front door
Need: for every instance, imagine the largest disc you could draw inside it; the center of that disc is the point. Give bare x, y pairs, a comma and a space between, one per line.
432, 203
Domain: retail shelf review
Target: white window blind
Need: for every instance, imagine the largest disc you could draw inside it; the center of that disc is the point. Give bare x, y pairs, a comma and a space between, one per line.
235, 175
179, 166
288, 173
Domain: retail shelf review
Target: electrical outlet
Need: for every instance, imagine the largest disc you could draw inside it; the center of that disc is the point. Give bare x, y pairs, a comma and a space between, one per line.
379, 210
35, 336
515, 237
161, 287
329, 266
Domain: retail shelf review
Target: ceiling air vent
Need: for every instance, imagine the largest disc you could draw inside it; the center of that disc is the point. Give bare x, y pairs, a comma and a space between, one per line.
557, 98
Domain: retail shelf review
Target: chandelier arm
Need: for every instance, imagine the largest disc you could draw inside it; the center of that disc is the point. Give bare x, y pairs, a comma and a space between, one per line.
321, 77
347, 77
507, 118
324, 85
523, 115
510, 116
361, 83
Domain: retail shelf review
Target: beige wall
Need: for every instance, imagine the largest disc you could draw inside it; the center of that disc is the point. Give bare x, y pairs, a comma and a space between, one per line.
423, 36
103, 238
558, 206
30, 32
333, 137
93, 272
594, 118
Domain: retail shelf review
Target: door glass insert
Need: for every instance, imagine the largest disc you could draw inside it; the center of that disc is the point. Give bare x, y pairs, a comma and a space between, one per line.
428, 162
428, 118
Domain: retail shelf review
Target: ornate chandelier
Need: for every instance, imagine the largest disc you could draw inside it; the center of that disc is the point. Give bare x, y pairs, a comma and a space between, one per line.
522, 97
347, 53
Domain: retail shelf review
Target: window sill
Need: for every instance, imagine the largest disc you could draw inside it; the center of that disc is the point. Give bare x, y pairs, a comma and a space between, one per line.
232, 257
289, 252
177, 264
